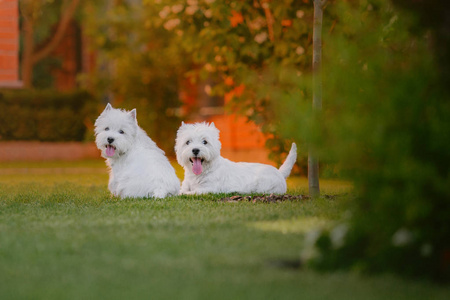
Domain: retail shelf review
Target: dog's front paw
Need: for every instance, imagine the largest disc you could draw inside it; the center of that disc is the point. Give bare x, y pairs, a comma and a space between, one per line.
187, 193
159, 193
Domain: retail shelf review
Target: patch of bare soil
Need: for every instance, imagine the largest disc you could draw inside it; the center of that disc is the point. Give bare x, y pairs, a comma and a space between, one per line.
272, 198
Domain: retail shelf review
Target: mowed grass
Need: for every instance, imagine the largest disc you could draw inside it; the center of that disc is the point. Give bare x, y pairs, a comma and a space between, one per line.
62, 236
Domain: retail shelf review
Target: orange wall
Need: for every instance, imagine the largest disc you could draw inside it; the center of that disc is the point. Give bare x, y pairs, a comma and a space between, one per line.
9, 43
237, 133
241, 140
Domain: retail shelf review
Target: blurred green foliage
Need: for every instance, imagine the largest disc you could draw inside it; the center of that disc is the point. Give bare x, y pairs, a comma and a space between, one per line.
236, 43
140, 65
46, 115
385, 124
159, 46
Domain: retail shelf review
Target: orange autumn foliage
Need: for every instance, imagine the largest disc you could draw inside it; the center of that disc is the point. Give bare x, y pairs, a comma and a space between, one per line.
229, 81
237, 91
236, 18
286, 23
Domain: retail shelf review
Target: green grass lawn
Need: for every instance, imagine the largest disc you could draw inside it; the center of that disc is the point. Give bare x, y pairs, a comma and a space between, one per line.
63, 237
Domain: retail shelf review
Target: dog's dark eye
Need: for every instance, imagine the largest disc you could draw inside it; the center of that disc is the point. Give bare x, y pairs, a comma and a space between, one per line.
205, 142
107, 128
121, 131
188, 142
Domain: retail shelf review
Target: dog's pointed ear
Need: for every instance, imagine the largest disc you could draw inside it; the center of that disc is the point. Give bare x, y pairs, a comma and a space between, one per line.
132, 113
212, 125
108, 107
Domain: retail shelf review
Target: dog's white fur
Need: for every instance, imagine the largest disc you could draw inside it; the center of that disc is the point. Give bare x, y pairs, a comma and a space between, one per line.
138, 168
220, 175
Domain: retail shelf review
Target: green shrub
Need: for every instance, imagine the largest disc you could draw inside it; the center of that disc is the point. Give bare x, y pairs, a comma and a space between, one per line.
45, 115
385, 123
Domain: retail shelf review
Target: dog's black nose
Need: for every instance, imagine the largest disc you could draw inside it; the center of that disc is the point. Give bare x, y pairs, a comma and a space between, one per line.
196, 151
110, 140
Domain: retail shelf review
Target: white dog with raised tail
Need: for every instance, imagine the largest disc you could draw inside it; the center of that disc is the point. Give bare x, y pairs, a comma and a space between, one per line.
198, 151
138, 168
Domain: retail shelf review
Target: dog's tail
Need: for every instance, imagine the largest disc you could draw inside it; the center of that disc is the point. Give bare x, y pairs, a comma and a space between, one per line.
286, 167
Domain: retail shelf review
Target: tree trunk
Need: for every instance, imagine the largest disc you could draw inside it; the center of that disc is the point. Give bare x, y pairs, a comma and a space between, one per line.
28, 47
30, 57
66, 17
313, 161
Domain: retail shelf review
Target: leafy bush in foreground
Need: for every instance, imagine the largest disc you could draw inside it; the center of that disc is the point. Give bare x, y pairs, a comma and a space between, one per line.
385, 121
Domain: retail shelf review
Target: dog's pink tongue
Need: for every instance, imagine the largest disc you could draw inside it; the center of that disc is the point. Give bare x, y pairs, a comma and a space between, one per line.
197, 166
110, 151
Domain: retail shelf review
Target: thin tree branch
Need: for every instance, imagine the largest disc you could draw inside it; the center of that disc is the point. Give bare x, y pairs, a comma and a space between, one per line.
269, 19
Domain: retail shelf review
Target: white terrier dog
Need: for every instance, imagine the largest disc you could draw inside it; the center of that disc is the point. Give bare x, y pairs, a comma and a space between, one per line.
198, 151
138, 168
